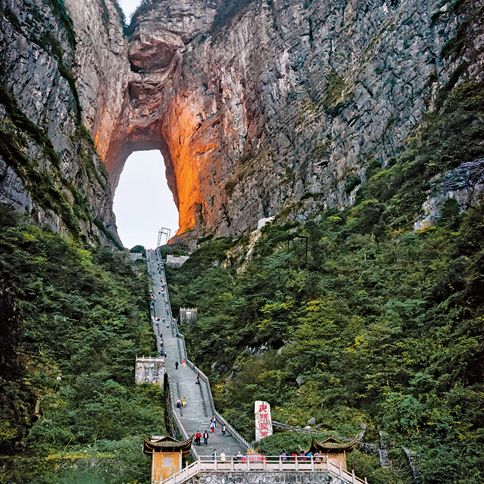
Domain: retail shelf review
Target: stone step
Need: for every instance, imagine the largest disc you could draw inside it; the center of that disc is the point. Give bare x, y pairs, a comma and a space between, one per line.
196, 415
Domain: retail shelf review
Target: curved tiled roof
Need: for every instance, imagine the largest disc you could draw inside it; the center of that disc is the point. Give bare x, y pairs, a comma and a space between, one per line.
167, 443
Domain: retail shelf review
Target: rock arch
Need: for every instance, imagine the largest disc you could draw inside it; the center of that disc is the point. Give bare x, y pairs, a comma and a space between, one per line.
274, 108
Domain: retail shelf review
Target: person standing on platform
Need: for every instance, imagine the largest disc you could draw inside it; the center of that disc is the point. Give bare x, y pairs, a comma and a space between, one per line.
223, 430
212, 427
176, 365
198, 436
205, 438
239, 457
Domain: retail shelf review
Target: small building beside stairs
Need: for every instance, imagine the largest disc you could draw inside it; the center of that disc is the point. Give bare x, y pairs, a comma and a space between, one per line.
166, 456
333, 450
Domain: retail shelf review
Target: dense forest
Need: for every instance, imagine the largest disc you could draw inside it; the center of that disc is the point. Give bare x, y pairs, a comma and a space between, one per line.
73, 321
350, 317
376, 324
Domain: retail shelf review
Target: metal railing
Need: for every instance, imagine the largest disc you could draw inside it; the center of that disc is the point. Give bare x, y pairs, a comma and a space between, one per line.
246, 463
171, 403
261, 463
172, 411
242, 442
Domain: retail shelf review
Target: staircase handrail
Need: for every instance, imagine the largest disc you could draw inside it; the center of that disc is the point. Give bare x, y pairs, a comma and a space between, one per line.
180, 335
184, 473
181, 428
172, 408
232, 431
204, 377
332, 468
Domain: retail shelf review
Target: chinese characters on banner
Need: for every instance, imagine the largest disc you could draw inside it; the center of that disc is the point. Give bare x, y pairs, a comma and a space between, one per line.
263, 422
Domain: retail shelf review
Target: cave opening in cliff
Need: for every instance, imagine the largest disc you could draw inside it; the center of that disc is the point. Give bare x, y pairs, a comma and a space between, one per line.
143, 202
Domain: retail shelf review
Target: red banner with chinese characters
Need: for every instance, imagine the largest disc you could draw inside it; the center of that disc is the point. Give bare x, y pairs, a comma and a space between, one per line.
263, 421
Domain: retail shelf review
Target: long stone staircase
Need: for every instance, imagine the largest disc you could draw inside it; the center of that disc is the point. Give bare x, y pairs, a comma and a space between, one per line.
200, 406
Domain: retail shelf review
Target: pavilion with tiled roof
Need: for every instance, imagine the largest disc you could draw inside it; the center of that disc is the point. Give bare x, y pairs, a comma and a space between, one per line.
167, 454
335, 450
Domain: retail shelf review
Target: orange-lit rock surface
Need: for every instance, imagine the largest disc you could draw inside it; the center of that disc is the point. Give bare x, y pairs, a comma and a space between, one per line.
260, 106
257, 106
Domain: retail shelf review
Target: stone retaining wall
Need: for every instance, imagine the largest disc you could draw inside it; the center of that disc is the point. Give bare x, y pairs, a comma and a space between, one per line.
264, 478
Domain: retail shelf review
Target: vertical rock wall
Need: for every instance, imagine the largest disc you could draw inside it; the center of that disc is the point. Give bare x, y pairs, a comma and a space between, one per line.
258, 106
49, 168
282, 104
101, 66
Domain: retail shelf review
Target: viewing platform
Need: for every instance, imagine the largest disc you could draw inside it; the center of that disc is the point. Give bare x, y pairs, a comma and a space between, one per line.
255, 468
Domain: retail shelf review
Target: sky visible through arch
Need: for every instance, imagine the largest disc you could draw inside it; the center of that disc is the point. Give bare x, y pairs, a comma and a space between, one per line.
143, 203
129, 6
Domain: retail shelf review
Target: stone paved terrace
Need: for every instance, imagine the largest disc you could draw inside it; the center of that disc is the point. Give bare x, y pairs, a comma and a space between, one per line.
196, 415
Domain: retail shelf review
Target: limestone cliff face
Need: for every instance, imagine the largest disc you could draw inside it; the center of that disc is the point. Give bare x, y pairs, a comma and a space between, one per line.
156, 115
258, 106
49, 168
101, 66
278, 104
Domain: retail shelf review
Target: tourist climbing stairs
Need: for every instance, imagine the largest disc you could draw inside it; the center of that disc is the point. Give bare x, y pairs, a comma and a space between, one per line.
187, 382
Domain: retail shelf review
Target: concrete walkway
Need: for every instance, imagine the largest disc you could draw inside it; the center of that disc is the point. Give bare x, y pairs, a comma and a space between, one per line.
196, 415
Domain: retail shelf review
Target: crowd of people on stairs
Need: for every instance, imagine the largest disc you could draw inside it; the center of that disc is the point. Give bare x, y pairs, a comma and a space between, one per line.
205, 436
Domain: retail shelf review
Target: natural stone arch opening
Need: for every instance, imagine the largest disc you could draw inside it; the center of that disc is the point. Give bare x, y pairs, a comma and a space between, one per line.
169, 100
143, 201
173, 132
166, 101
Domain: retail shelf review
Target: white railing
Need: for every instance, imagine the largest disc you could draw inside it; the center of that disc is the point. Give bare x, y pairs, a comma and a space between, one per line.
183, 354
171, 409
183, 475
261, 463
349, 477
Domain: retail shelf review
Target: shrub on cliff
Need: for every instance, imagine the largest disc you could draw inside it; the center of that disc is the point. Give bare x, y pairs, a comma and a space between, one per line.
381, 324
